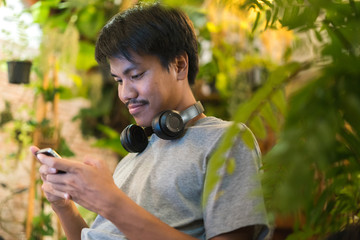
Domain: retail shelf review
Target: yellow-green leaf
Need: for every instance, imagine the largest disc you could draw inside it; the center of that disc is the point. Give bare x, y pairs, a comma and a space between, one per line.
279, 101
248, 138
230, 166
268, 114
257, 126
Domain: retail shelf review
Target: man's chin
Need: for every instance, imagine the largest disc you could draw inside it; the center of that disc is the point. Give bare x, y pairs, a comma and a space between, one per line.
142, 122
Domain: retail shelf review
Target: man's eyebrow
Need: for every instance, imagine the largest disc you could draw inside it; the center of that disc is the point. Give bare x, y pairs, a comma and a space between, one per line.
129, 69
126, 71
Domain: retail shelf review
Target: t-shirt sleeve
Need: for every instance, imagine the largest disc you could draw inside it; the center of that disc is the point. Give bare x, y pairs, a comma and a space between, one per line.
236, 201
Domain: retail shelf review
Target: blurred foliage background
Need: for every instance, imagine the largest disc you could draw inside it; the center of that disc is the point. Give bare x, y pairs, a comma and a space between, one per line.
289, 69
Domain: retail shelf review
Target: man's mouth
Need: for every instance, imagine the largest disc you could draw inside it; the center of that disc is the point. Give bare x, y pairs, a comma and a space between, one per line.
135, 106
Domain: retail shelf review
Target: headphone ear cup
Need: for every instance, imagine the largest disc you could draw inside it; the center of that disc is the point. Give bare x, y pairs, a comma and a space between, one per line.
168, 125
134, 139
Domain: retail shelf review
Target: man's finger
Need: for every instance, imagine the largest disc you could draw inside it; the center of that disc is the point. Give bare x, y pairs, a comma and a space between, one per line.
34, 149
60, 164
48, 189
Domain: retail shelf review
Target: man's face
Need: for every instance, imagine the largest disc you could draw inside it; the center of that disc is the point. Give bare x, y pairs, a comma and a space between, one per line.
145, 86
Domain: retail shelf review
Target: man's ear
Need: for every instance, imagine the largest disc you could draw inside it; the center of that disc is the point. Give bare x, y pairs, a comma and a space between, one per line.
182, 66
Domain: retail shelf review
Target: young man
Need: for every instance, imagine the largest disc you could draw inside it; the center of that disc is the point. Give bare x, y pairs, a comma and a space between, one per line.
157, 193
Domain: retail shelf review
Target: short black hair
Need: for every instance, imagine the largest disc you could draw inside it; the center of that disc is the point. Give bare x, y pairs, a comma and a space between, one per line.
149, 30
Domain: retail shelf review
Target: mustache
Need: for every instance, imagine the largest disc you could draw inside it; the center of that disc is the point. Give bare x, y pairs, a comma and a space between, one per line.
135, 101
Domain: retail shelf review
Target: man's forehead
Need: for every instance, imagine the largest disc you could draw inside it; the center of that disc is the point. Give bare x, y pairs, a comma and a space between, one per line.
121, 66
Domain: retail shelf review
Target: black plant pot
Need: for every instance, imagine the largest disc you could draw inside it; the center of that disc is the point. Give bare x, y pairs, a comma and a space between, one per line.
19, 71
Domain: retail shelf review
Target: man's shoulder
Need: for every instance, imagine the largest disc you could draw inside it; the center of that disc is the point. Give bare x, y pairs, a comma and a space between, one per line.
212, 123
206, 132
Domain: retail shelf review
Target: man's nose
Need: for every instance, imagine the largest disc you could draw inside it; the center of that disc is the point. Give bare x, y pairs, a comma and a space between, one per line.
127, 91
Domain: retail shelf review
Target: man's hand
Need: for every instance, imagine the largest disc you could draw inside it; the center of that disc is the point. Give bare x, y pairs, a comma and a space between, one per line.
50, 194
88, 183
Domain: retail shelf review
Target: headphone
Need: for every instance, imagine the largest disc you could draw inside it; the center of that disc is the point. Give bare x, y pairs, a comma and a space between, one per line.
167, 125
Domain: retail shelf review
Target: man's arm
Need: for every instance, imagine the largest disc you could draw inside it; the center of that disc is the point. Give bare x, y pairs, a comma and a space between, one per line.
71, 220
136, 223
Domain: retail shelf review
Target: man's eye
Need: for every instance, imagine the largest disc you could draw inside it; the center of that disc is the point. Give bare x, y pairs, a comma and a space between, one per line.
137, 76
118, 80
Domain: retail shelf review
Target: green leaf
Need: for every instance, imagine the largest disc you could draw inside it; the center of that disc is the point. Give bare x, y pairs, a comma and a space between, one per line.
212, 27
41, 10
268, 3
276, 79
289, 17
230, 166
274, 16
278, 99
257, 126
256, 22
268, 114
248, 138
318, 36
351, 141
108, 131
87, 215
222, 83
244, 112
112, 142
64, 149
90, 21
85, 59
217, 161
268, 18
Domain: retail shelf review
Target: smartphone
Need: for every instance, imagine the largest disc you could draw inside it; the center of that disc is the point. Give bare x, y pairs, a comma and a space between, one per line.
50, 152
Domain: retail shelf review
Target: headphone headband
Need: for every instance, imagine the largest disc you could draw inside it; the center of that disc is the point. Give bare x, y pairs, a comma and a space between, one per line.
191, 112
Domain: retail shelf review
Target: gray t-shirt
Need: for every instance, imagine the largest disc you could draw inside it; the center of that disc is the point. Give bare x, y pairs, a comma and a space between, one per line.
167, 179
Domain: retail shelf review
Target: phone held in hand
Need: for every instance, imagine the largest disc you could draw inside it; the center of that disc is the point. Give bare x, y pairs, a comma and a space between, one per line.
51, 153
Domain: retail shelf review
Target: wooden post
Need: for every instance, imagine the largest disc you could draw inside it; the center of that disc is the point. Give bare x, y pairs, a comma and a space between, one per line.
40, 115
30, 208
41, 110
56, 124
